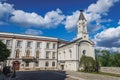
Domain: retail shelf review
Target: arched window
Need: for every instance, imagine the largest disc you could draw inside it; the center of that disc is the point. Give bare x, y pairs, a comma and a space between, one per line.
37, 54
53, 63
84, 52
28, 53
64, 54
70, 51
17, 53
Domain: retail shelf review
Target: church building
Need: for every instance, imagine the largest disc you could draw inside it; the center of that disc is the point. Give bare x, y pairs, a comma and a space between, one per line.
47, 53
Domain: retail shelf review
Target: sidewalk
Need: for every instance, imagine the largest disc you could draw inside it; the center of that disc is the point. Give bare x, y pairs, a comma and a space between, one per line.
88, 76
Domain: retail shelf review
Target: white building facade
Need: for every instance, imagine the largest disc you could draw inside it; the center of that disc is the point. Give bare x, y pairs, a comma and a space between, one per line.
38, 52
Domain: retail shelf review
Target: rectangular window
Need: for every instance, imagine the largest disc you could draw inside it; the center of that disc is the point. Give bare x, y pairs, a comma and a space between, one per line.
46, 64
27, 64
48, 45
38, 44
28, 44
19, 43
54, 46
53, 55
8, 42
53, 64
47, 55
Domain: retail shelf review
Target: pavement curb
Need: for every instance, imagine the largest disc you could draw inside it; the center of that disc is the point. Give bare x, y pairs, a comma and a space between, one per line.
74, 77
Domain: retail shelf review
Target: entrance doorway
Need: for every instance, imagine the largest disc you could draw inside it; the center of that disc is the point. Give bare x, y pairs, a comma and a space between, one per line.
62, 67
16, 65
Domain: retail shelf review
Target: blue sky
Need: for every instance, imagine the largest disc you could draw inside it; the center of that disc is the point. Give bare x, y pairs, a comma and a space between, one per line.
58, 18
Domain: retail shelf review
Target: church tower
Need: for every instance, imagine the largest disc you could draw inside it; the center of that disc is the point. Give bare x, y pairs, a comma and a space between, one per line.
82, 26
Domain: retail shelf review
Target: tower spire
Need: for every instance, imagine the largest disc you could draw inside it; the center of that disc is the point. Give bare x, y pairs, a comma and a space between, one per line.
81, 17
82, 26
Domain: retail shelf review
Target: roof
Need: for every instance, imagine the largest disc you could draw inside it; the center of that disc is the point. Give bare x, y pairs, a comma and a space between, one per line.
77, 40
12, 35
71, 42
81, 17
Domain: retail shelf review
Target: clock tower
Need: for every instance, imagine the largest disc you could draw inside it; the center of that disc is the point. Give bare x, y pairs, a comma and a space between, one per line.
82, 26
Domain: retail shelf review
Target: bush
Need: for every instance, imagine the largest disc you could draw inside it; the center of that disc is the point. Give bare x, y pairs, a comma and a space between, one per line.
88, 64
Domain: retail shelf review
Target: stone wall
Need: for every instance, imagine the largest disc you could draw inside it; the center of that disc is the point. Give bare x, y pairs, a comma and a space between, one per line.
115, 70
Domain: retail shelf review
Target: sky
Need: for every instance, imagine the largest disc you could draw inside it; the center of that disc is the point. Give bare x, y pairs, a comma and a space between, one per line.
58, 18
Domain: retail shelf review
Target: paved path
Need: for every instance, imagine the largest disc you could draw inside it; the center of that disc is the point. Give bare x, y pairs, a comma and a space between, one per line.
88, 76
61, 75
42, 75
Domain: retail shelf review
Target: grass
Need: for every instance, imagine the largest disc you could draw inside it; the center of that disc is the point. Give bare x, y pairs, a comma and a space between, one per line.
109, 74
104, 73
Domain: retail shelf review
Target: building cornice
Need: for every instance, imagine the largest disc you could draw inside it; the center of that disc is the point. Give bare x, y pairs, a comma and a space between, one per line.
30, 37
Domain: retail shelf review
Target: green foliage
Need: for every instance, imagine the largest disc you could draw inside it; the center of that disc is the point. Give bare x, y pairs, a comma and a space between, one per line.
104, 58
108, 59
4, 52
115, 60
88, 64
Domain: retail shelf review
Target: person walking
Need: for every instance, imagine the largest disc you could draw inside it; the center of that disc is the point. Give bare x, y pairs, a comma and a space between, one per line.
5, 74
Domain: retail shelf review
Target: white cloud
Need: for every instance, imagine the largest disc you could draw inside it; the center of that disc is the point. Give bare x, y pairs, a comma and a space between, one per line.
71, 21
108, 38
51, 19
101, 6
5, 11
93, 13
54, 18
119, 22
33, 32
113, 49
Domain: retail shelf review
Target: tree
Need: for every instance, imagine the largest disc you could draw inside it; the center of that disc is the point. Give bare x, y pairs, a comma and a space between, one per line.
88, 64
4, 52
116, 60
104, 58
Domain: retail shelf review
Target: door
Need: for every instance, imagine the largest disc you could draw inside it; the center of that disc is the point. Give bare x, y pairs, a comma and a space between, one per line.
62, 67
16, 65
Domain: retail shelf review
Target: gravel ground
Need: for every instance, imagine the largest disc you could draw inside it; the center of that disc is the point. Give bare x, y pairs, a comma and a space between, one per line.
88, 76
